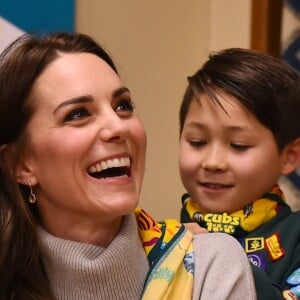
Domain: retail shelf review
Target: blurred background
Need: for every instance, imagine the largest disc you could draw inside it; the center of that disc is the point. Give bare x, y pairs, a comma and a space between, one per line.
156, 45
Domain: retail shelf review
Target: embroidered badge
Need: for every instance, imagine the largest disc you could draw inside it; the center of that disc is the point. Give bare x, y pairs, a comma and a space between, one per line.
254, 244
258, 260
274, 248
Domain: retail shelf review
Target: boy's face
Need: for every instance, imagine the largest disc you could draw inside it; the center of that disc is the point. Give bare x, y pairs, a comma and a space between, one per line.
226, 160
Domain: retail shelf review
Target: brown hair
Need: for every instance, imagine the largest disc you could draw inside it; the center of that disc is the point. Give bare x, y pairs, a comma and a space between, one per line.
22, 272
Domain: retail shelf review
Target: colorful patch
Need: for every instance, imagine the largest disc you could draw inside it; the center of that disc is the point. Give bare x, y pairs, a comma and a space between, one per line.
254, 244
257, 260
274, 248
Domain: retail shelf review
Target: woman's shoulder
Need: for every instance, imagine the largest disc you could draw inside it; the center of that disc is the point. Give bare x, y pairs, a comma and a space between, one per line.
218, 241
221, 248
220, 258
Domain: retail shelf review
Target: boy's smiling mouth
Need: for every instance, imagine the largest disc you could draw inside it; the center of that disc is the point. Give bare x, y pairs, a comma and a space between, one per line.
215, 186
115, 167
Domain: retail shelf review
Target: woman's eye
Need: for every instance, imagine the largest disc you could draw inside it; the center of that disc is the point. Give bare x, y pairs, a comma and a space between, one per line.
125, 106
197, 144
77, 114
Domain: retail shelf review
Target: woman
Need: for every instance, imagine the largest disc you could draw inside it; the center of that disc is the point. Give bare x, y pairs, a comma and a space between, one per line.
72, 163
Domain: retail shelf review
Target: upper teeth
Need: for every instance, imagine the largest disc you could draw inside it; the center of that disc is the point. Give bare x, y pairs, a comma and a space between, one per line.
110, 163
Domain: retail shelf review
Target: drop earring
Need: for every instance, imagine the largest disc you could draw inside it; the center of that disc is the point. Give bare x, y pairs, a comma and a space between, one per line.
32, 196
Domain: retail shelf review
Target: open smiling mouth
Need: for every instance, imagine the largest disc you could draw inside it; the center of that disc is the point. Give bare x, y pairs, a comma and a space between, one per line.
111, 168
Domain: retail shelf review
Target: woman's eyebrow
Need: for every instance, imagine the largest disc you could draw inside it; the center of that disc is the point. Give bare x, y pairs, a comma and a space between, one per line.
120, 91
80, 99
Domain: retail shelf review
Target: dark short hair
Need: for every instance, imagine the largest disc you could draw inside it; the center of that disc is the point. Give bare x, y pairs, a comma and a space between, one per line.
267, 86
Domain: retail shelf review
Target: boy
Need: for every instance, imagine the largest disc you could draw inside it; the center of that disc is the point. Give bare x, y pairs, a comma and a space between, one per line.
239, 131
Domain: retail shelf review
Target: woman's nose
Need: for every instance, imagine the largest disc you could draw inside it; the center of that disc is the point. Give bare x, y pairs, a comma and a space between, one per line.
114, 128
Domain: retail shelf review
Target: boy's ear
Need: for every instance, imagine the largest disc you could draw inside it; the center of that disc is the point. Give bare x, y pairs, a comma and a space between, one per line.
291, 157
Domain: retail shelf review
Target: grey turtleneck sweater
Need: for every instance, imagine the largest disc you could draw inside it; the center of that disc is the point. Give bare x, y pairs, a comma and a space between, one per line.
83, 271
79, 271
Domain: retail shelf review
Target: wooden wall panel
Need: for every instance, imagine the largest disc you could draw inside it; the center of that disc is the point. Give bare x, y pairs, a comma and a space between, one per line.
266, 22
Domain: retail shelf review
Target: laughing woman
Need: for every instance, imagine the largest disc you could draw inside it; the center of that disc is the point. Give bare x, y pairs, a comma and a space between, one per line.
71, 167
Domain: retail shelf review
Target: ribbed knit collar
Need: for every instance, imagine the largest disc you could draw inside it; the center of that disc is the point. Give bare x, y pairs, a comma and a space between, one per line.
83, 271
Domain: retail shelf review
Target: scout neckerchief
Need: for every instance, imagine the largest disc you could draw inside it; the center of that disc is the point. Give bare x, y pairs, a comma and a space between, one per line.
244, 221
240, 222
169, 248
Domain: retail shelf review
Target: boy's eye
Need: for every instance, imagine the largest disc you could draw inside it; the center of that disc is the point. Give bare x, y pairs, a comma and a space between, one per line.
197, 144
77, 114
240, 147
125, 106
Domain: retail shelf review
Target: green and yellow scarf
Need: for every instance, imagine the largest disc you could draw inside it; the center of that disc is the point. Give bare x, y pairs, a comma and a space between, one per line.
169, 248
240, 222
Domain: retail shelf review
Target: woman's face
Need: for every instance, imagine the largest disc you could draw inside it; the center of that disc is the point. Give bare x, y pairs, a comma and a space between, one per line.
85, 149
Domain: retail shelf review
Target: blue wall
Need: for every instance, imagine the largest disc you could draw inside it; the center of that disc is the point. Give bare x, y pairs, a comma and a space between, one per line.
40, 15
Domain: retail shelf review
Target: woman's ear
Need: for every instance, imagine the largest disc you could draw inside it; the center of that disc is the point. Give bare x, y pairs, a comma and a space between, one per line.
24, 175
290, 157
21, 167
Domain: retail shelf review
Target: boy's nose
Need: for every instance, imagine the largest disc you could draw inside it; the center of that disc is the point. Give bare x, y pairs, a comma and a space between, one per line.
214, 161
